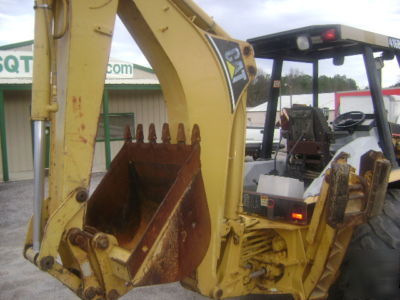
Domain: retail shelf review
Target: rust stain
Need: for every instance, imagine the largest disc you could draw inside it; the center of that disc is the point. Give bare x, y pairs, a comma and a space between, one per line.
76, 106
83, 140
77, 110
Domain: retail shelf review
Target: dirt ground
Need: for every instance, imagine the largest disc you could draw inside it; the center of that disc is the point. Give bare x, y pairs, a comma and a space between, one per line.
19, 279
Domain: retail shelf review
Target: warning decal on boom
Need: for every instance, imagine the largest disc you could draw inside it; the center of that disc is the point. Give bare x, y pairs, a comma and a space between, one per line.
230, 57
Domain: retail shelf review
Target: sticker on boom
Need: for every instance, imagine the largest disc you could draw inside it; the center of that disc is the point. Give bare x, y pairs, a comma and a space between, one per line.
230, 57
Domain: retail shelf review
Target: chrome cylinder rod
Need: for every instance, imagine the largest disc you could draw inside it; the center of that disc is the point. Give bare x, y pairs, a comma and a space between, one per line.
38, 166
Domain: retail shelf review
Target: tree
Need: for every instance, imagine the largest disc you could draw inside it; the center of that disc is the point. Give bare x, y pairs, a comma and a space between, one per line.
258, 89
295, 83
396, 85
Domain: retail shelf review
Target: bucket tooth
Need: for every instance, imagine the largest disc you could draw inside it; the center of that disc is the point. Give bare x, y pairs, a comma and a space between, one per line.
181, 137
152, 134
127, 134
166, 136
139, 134
195, 134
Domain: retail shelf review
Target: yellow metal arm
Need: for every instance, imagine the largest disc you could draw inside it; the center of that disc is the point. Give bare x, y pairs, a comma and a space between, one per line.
196, 89
204, 75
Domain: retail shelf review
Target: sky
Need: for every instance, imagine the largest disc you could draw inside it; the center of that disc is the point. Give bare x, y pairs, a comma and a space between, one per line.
246, 19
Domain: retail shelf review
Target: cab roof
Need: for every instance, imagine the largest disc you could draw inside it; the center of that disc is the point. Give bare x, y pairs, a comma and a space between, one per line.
326, 41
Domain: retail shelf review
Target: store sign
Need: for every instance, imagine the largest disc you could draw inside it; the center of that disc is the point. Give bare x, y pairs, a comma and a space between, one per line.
119, 70
16, 64
19, 64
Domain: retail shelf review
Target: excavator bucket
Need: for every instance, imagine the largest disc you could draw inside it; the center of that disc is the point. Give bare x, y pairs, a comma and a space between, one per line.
153, 201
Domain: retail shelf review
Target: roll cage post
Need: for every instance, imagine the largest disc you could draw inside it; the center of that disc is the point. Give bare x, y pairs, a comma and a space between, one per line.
385, 136
269, 124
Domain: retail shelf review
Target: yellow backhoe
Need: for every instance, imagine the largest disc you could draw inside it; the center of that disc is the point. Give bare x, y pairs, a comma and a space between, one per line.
172, 207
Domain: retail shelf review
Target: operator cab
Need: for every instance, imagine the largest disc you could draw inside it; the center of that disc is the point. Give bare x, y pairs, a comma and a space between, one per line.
311, 141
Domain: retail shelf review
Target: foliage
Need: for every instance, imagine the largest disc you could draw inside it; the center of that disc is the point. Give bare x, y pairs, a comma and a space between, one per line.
257, 92
396, 85
336, 84
295, 83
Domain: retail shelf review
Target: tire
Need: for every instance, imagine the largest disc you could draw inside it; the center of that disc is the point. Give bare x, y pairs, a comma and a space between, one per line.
371, 268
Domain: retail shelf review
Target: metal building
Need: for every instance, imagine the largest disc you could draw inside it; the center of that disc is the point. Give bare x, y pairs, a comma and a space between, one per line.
132, 95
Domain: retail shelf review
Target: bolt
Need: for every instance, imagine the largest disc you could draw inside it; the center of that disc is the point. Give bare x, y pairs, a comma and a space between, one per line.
46, 263
90, 293
247, 50
76, 238
81, 195
113, 295
102, 242
252, 70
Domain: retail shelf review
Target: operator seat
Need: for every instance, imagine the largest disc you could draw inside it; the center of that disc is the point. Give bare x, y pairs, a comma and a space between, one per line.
308, 139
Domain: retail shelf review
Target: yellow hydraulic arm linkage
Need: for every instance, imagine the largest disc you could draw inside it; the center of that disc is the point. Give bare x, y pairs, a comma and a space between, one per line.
168, 209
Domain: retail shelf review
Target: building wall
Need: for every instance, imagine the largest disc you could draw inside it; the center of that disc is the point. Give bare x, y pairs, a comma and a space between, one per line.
148, 107
139, 74
19, 140
1, 165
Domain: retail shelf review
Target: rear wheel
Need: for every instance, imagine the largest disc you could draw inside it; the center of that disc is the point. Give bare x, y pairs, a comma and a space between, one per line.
371, 268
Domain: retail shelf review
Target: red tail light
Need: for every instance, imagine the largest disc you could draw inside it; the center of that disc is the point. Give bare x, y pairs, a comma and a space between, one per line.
329, 35
297, 216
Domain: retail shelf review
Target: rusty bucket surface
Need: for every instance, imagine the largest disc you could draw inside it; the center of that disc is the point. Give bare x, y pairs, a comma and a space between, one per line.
153, 196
